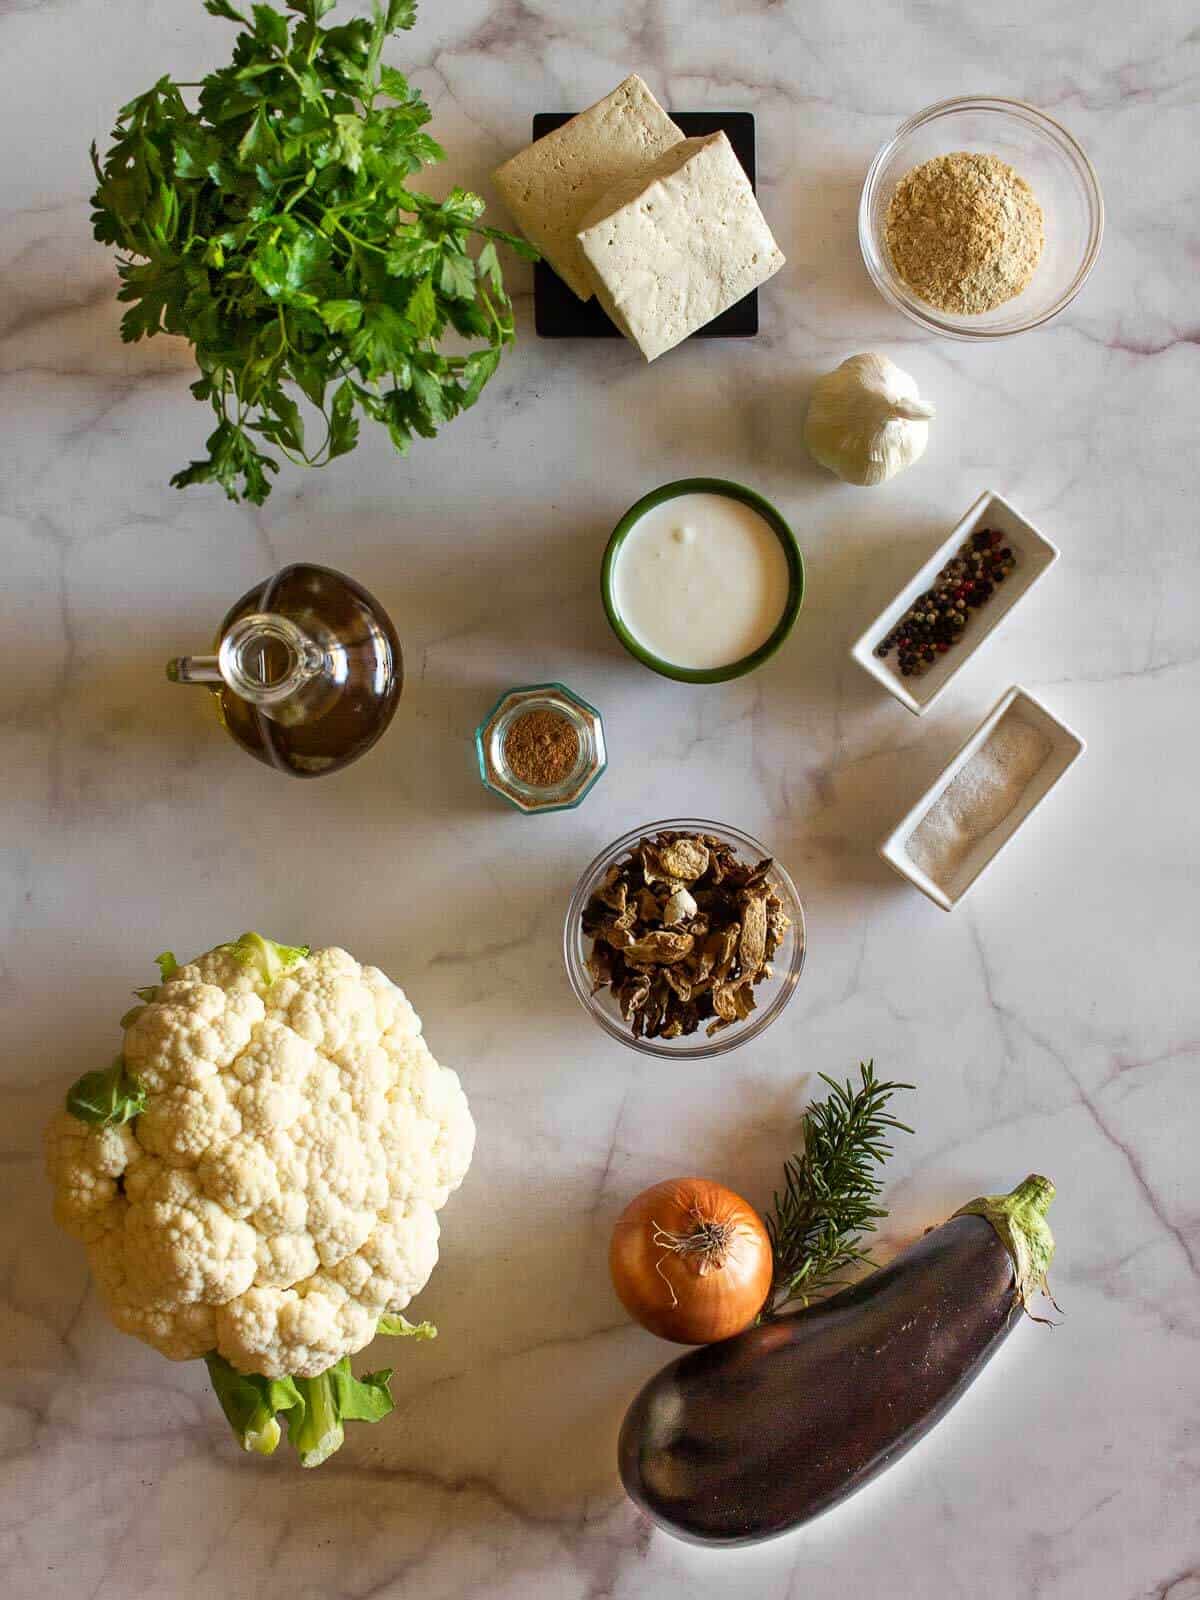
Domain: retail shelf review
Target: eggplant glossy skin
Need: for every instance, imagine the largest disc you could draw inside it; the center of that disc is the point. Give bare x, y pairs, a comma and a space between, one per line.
752, 1437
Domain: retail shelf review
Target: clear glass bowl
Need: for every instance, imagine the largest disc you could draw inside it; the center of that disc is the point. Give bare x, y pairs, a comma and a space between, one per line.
772, 995
1046, 156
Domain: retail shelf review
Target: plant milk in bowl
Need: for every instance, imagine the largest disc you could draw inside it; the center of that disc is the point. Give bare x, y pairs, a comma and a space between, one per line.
702, 582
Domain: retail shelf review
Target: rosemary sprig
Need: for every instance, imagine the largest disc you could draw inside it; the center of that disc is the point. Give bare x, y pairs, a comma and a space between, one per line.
831, 1189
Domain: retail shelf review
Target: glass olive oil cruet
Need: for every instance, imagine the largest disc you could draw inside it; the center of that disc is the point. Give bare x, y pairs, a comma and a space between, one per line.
307, 671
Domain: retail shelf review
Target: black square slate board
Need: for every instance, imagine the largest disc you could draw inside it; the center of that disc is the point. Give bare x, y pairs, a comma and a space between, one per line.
558, 313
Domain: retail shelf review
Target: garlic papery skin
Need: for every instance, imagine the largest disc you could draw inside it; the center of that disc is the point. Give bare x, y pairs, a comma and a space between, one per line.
866, 420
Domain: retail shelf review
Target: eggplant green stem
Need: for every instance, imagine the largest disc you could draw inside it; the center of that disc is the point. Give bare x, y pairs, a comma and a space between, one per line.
1020, 1220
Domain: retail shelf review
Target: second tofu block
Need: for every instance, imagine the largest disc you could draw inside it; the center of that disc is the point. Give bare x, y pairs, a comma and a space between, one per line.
674, 246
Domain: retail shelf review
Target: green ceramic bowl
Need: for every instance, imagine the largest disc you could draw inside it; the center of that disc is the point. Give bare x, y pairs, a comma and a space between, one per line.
795, 561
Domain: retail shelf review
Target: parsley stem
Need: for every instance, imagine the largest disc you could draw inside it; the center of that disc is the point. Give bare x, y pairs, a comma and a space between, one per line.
364, 244
292, 74
299, 195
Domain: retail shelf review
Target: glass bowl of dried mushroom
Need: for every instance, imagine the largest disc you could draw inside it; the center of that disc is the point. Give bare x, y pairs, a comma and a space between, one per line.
982, 218
684, 938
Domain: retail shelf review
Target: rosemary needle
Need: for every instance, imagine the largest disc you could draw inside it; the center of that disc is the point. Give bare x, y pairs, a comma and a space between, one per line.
831, 1189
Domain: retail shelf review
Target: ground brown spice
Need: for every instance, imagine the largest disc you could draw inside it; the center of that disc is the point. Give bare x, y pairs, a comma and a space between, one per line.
541, 749
965, 232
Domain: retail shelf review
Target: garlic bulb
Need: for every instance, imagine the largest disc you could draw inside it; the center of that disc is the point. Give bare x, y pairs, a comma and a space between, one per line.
865, 421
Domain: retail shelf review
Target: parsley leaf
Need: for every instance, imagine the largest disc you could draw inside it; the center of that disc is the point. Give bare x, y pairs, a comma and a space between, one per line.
343, 424
274, 227
457, 276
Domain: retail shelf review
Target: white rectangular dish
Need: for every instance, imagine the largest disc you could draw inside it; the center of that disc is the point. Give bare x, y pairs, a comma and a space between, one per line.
1035, 556
946, 888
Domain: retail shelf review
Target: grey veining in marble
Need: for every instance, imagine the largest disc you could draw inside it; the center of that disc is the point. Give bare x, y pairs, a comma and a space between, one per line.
1053, 1023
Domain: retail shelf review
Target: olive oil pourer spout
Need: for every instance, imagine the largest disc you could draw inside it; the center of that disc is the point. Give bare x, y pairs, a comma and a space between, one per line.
263, 658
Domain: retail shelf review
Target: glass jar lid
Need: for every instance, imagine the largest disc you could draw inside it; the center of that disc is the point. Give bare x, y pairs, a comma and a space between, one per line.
535, 730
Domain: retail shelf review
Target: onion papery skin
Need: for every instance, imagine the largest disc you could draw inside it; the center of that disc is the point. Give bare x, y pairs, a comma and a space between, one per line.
691, 1261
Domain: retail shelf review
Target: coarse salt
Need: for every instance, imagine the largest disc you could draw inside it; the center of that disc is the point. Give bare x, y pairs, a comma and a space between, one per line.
980, 797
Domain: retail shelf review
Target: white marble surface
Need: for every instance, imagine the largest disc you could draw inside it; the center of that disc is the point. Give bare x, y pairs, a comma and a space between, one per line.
1052, 1023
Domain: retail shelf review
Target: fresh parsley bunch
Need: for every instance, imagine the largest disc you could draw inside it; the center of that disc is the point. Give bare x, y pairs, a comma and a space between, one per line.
274, 228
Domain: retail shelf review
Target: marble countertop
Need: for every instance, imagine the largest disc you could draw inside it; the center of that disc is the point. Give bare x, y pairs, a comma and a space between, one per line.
1052, 1023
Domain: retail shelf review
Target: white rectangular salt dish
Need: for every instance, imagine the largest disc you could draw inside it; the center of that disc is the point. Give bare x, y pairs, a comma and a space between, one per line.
1035, 556
1065, 748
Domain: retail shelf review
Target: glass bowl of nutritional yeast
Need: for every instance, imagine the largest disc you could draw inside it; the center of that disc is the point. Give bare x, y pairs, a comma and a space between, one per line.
1024, 143
684, 939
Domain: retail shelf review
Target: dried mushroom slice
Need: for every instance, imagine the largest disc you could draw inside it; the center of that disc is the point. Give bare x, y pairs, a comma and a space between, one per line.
598, 915
661, 947
680, 980
654, 1011
759, 873
702, 962
613, 891
723, 1005
778, 923
631, 995
601, 965
732, 1002
615, 932
752, 947
648, 906
718, 863
689, 1017
724, 947
684, 860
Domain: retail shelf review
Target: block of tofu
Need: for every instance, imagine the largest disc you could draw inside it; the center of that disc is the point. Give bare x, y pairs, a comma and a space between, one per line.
552, 184
673, 247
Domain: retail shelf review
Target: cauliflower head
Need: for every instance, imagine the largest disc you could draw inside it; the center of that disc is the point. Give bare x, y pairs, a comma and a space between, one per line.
259, 1175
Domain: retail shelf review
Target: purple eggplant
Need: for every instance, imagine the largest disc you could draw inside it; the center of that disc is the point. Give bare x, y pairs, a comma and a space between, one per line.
758, 1434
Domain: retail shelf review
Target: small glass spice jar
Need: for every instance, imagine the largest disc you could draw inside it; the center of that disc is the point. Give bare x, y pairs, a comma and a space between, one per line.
541, 748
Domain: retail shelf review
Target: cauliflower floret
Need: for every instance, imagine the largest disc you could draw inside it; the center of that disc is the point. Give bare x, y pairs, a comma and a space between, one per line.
277, 1332
367, 1079
239, 1176
332, 1008
279, 1191
431, 1097
348, 1184
183, 1246
84, 1165
396, 1261
182, 1332
181, 1123
393, 1012
188, 1032
285, 1258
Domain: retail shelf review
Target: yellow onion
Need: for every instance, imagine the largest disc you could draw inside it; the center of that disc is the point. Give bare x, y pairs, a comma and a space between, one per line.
691, 1261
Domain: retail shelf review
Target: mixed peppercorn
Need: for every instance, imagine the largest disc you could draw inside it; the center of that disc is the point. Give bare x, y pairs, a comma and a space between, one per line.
937, 618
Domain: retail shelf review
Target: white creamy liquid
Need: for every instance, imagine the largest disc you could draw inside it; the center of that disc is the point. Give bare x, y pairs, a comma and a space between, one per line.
701, 581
